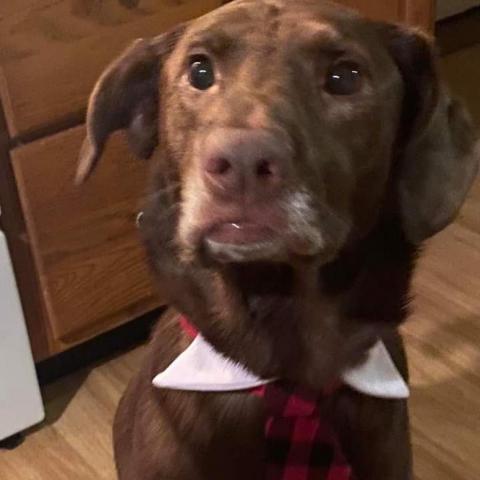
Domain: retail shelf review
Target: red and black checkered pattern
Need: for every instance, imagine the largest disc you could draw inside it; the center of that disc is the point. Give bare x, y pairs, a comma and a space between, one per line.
300, 445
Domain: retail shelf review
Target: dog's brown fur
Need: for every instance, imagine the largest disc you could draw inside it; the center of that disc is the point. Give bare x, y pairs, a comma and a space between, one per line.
371, 174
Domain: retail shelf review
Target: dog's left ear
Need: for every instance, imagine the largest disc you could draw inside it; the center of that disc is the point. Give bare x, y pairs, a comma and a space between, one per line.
440, 151
126, 96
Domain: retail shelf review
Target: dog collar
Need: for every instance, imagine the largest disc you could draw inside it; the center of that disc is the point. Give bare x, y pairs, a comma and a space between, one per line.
201, 368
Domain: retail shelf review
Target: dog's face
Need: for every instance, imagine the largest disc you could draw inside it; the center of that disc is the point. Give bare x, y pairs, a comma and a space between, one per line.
286, 129
270, 120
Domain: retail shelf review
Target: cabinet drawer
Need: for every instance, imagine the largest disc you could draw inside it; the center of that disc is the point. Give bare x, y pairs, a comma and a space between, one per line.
52, 51
88, 256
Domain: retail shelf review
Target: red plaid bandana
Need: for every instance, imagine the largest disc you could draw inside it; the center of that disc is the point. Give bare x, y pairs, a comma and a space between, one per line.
300, 444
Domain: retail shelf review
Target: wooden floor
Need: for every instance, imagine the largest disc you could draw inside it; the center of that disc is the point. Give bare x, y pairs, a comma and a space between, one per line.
443, 340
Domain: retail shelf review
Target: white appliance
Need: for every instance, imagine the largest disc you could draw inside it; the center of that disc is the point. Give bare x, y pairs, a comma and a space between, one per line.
20, 400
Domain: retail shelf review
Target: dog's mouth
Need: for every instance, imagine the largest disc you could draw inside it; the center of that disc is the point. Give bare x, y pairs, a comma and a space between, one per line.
271, 237
243, 241
280, 230
240, 232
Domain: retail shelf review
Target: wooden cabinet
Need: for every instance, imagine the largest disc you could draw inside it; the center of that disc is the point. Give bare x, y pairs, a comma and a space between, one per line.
90, 264
79, 264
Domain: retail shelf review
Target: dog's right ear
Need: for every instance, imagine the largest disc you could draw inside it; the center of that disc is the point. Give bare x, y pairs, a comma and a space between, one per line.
126, 96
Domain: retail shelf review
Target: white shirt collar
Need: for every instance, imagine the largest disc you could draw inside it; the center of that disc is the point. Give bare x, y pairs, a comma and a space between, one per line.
201, 368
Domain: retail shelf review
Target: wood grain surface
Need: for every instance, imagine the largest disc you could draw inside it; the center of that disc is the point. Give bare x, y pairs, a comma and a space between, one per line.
92, 269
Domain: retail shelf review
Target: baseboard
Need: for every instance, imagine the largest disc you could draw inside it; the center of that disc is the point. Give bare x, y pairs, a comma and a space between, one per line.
97, 349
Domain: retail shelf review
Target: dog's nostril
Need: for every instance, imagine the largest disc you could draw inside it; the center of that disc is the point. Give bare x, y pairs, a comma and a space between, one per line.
218, 166
223, 166
264, 168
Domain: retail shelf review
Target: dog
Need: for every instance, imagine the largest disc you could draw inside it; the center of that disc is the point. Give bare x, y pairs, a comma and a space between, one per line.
302, 154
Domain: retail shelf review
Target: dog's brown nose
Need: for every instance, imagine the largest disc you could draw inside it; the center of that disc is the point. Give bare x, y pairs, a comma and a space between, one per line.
239, 162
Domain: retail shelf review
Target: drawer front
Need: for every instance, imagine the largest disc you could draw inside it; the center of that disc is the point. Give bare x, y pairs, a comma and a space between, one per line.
53, 51
88, 255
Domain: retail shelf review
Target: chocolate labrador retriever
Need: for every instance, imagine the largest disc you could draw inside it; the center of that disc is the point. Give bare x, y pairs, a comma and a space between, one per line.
302, 154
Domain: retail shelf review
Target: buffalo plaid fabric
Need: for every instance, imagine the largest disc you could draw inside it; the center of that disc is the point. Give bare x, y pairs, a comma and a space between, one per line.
300, 444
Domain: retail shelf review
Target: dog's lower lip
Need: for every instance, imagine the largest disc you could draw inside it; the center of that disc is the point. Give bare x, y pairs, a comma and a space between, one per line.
239, 233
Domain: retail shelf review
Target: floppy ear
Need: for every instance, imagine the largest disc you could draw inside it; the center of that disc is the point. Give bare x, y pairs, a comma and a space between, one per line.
440, 151
126, 96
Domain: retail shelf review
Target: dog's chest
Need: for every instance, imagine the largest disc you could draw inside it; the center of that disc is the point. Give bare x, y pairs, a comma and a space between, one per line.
228, 437
229, 429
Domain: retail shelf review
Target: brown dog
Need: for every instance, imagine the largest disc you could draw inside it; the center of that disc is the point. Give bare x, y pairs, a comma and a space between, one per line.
304, 154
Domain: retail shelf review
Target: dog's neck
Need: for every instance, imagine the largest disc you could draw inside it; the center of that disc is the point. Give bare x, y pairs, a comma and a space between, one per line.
264, 288
279, 324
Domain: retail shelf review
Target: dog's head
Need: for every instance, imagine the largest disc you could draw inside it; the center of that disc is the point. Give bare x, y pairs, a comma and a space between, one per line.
285, 129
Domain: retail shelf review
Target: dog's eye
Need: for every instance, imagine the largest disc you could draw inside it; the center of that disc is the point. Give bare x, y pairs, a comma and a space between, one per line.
343, 78
201, 74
